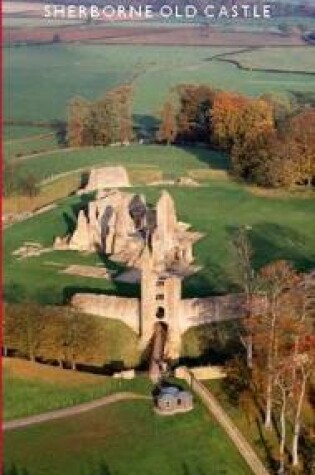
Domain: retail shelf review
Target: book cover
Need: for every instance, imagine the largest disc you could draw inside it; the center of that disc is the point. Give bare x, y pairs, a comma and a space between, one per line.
158, 237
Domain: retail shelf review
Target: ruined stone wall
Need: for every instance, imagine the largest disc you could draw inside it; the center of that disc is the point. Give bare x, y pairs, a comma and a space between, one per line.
199, 311
125, 309
192, 312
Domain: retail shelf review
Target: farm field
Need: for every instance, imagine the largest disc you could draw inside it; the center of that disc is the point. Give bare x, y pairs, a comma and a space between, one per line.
152, 69
32, 388
16, 132
299, 59
283, 229
30, 145
124, 438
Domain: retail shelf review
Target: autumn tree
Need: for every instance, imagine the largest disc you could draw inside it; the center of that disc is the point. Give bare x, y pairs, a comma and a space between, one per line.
301, 129
194, 114
53, 335
122, 101
236, 118
267, 159
79, 122
276, 278
168, 129
11, 329
81, 337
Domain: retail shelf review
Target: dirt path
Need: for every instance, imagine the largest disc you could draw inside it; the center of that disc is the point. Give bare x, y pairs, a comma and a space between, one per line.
70, 411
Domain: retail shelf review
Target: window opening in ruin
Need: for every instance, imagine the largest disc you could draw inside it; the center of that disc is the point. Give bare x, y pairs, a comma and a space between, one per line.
160, 312
160, 283
160, 297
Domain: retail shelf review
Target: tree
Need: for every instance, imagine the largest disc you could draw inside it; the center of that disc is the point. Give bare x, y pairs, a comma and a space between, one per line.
81, 338
301, 129
236, 118
12, 331
304, 362
168, 128
267, 159
276, 278
53, 335
122, 97
283, 384
249, 283
79, 123
194, 115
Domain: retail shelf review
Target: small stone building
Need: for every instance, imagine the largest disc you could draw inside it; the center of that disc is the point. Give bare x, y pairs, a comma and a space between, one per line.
172, 400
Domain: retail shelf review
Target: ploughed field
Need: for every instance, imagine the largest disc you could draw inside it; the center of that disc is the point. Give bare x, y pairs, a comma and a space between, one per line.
66, 70
125, 438
282, 225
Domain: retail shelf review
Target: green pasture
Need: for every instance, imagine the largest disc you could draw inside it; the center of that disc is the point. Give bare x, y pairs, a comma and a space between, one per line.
293, 59
64, 71
282, 228
173, 161
25, 395
20, 132
125, 438
29, 146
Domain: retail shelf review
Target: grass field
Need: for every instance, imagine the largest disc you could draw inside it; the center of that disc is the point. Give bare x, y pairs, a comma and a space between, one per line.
17, 132
153, 71
124, 439
28, 145
48, 193
32, 388
282, 228
297, 59
172, 161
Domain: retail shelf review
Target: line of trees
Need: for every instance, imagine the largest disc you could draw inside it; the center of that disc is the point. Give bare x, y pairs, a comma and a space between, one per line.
102, 122
62, 335
278, 336
270, 140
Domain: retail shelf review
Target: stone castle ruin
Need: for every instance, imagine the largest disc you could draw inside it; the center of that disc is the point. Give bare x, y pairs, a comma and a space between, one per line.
153, 243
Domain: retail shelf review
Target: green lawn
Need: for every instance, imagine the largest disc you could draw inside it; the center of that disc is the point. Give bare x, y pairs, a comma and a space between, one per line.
32, 388
282, 227
173, 161
97, 68
124, 439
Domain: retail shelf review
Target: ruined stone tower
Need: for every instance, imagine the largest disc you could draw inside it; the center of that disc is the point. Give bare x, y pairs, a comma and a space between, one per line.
160, 303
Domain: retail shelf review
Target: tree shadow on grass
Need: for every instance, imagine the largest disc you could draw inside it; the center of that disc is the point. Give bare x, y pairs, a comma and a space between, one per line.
271, 242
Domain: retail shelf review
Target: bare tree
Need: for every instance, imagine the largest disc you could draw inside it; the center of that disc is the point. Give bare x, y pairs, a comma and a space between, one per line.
249, 283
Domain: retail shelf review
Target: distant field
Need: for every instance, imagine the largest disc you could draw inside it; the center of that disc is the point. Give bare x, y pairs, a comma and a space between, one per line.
16, 132
282, 228
152, 69
28, 145
127, 439
296, 59
32, 388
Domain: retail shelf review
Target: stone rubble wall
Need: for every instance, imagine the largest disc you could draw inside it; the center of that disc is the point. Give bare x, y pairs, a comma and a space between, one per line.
125, 309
